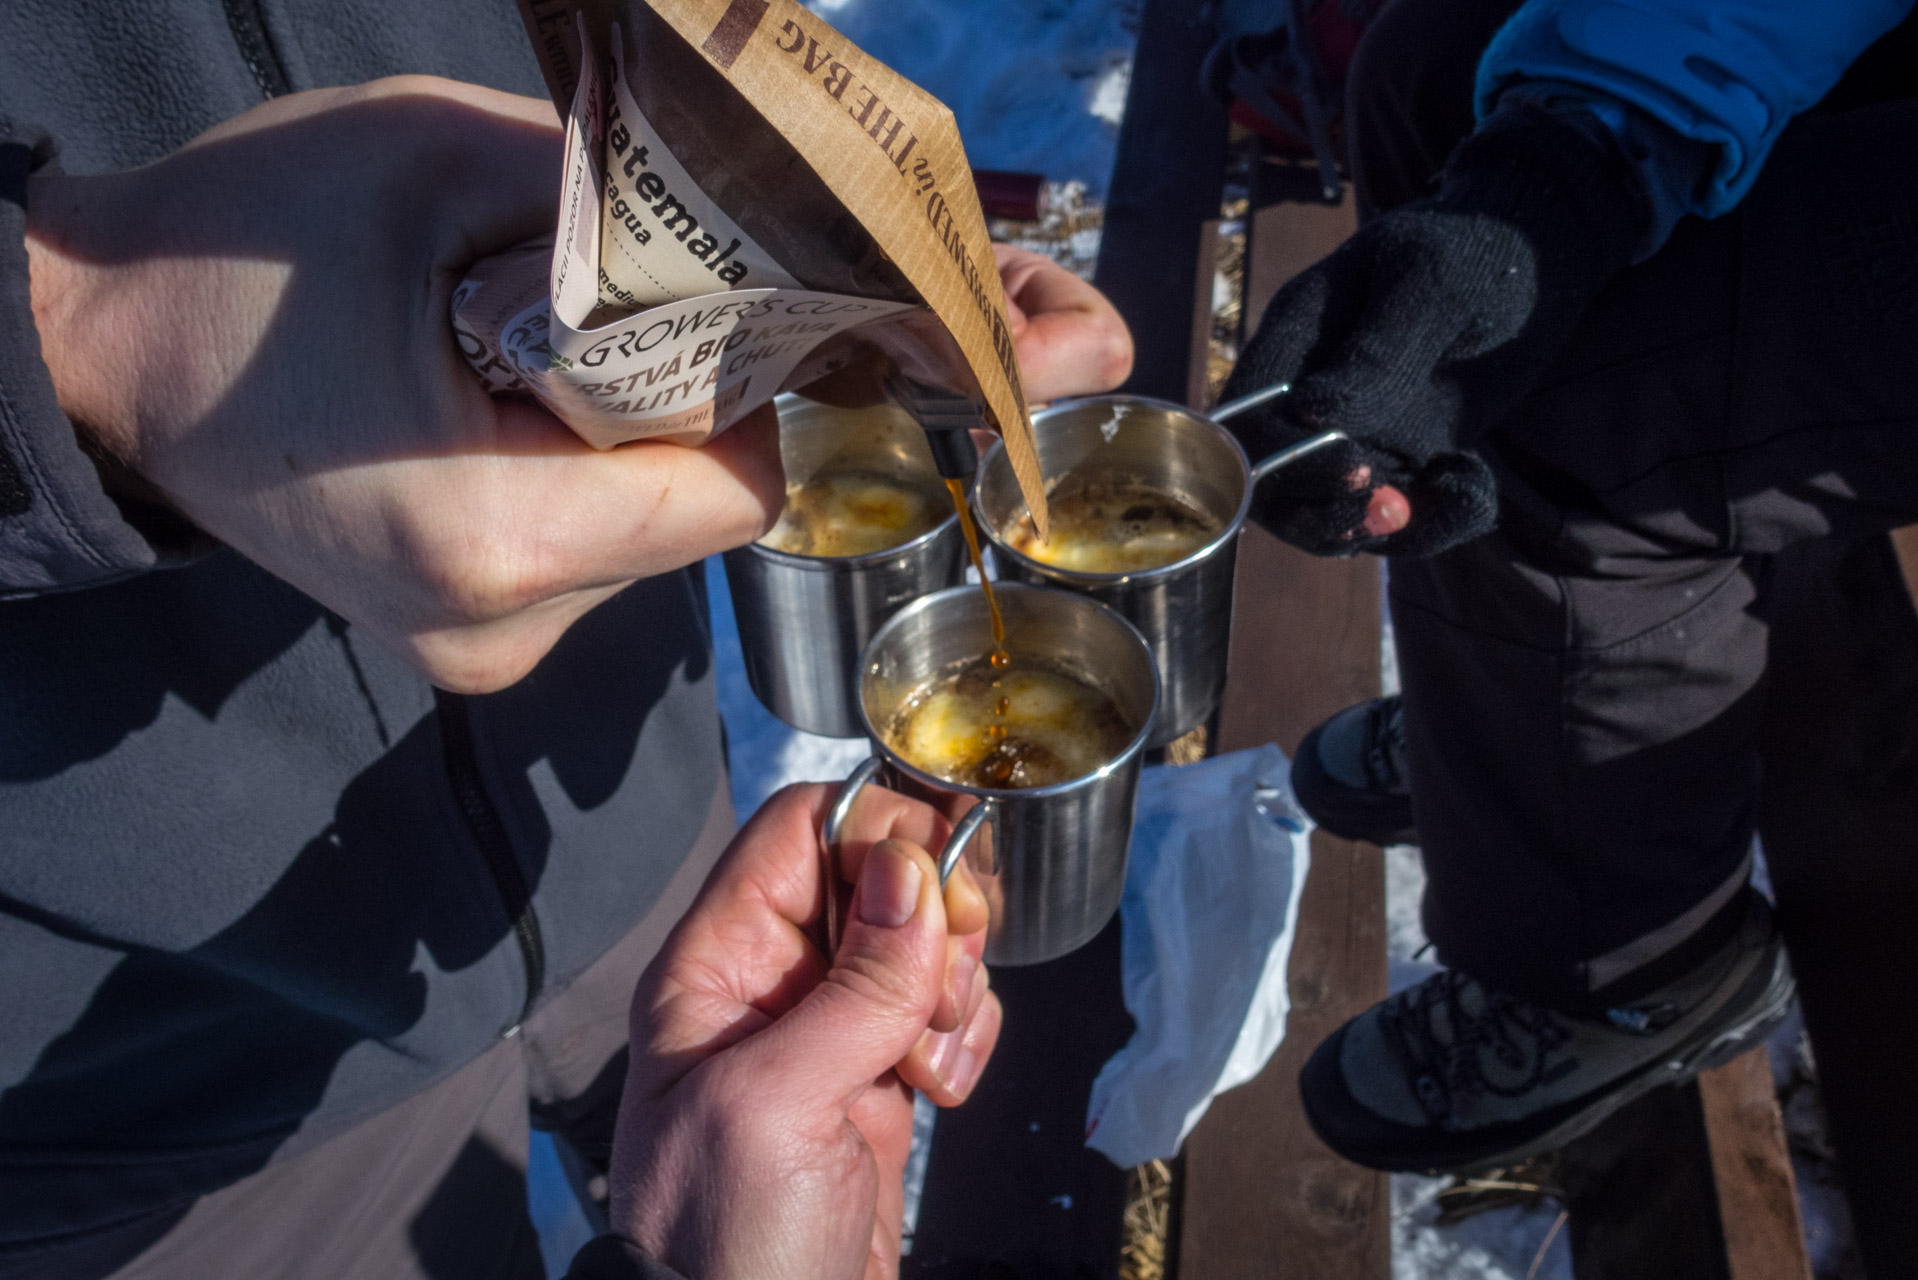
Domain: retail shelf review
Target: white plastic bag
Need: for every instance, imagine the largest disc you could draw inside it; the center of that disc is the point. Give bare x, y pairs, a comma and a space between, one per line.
1219, 855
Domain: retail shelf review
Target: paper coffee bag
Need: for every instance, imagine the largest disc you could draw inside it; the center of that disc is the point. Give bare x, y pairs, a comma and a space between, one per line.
749, 204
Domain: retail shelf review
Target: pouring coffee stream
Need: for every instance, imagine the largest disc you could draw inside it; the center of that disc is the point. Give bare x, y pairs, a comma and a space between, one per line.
949, 419
1001, 660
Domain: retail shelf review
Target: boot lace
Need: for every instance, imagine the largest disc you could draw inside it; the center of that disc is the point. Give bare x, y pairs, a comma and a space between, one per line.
1385, 746
1444, 1040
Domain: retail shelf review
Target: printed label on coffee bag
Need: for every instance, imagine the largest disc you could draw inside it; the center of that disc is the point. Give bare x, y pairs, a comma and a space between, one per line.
682, 370
685, 370
664, 238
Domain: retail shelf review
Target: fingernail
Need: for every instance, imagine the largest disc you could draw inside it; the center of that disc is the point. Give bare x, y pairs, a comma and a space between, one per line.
940, 1046
965, 1069
963, 971
889, 889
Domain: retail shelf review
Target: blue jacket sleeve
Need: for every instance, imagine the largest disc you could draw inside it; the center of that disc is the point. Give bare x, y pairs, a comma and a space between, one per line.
59, 529
1725, 73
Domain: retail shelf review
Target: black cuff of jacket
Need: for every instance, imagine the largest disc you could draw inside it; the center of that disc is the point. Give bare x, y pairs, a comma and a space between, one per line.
21, 152
20, 155
611, 1258
1668, 168
1571, 189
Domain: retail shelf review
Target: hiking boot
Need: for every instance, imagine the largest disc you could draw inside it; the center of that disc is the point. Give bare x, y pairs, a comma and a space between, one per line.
1450, 1076
1350, 774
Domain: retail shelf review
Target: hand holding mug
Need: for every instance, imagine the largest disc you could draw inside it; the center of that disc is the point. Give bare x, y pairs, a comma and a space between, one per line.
767, 1114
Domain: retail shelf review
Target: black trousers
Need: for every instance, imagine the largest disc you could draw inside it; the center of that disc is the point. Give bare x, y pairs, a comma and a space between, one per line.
1583, 687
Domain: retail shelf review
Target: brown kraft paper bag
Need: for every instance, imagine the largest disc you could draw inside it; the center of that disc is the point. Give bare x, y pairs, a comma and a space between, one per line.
749, 205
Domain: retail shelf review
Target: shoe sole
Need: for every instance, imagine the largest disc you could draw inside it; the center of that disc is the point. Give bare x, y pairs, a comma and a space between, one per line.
1776, 990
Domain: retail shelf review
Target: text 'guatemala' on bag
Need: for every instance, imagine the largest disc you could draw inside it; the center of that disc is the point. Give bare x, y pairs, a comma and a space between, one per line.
750, 204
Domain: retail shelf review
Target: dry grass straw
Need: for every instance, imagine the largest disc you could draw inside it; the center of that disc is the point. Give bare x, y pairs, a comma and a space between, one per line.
1228, 294
1525, 1186
1068, 232
1187, 748
1148, 1218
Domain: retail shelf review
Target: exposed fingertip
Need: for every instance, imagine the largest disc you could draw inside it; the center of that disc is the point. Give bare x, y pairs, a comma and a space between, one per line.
1387, 512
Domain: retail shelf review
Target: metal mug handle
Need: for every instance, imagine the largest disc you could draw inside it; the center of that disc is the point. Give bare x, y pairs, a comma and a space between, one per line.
1291, 453
1233, 408
962, 833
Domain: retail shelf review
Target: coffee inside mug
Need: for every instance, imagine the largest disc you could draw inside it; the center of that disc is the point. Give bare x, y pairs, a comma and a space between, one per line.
856, 512
858, 481
1049, 856
1076, 692
1026, 723
1108, 521
1134, 486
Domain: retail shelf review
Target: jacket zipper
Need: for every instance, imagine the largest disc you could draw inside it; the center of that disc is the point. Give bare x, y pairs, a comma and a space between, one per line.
483, 820
456, 729
249, 32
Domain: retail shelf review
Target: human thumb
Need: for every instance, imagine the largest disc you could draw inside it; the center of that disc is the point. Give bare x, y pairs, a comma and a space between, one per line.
883, 987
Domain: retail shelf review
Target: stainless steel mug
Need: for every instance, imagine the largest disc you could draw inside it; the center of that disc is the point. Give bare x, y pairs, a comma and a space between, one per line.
804, 619
1183, 609
1051, 860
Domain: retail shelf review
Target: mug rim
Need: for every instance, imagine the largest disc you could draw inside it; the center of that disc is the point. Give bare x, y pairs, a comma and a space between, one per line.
781, 403
893, 759
796, 560
1225, 536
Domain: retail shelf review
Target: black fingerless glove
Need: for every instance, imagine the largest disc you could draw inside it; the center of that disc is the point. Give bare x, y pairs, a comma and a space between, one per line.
1426, 327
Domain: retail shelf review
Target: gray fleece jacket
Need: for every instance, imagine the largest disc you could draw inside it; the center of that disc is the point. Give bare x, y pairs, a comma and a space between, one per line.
257, 880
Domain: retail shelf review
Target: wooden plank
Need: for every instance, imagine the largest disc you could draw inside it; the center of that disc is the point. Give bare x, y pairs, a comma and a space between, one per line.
1260, 1195
1012, 1192
1283, 239
1166, 181
1305, 642
1751, 1167
1639, 1193
1839, 818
